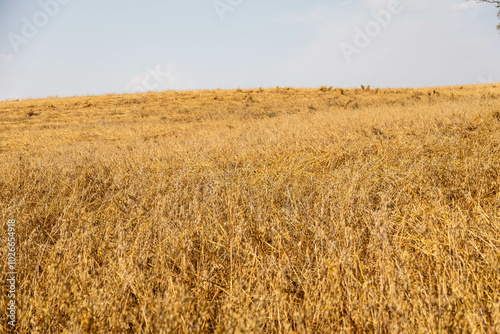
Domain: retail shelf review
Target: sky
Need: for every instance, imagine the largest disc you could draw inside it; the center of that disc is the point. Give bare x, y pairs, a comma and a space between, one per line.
63, 48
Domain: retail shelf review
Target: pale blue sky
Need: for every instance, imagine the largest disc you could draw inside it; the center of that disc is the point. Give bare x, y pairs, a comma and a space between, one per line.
110, 46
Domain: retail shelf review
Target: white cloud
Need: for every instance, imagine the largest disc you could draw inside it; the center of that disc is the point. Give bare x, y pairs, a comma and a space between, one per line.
377, 4
409, 4
318, 15
162, 76
464, 5
6, 58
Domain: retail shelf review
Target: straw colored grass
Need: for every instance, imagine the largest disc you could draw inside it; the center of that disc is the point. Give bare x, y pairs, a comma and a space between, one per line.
255, 211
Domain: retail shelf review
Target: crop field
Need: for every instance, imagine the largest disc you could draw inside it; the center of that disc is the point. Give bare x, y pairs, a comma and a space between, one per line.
255, 211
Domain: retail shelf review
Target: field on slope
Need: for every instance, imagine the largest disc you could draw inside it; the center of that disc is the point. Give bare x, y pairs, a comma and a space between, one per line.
266, 211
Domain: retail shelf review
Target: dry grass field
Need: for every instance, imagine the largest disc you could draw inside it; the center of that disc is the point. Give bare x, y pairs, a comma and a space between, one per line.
255, 211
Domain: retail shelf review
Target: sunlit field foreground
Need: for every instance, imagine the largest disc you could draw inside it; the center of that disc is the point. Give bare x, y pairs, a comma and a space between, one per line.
255, 211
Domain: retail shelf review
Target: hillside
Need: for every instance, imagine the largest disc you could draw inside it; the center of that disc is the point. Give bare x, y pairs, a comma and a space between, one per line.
264, 210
